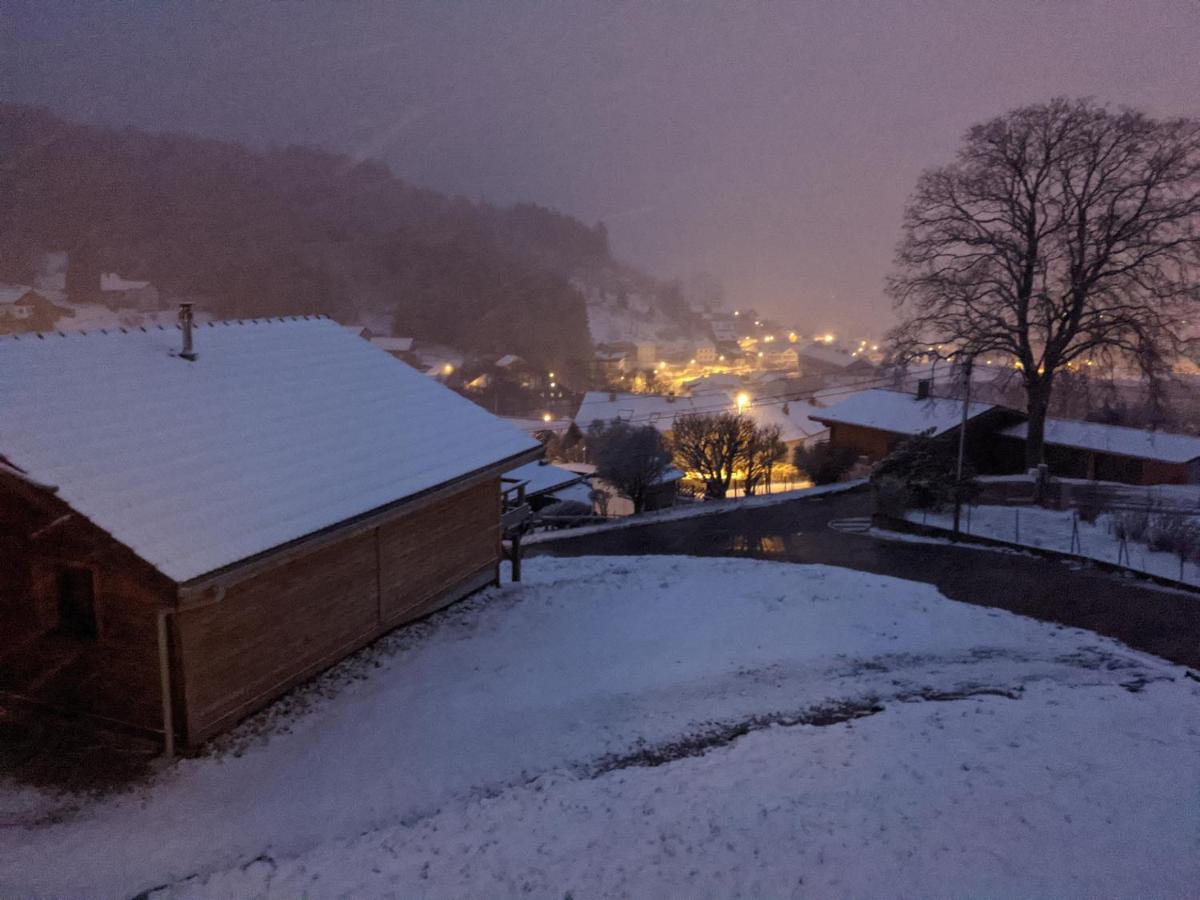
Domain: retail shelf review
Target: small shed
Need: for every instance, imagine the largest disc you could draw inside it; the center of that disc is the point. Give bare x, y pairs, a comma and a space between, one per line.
187, 536
1102, 452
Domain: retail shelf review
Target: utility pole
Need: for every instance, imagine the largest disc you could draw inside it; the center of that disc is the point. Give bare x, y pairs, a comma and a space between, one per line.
962, 442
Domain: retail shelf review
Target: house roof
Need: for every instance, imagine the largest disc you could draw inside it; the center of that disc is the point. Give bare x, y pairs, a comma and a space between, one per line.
1134, 442
900, 412
278, 429
794, 422
111, 281
542, 477
637, 409
11, 293
393, 344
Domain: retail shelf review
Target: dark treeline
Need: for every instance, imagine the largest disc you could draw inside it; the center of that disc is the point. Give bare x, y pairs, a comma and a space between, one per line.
295, 230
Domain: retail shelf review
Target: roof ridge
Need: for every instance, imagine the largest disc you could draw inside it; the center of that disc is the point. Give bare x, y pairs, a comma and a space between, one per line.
145, 328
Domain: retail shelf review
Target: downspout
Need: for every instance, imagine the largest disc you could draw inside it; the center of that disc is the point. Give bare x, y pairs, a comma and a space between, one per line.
164, 676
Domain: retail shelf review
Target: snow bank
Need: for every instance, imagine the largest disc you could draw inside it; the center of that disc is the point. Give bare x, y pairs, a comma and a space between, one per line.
661, 726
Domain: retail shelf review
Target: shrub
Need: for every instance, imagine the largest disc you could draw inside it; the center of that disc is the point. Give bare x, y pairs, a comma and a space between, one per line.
891, 496
824, 463
1131, 525
928, 470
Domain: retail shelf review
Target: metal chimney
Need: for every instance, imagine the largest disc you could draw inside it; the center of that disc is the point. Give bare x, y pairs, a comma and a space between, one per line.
923, 389
185, 324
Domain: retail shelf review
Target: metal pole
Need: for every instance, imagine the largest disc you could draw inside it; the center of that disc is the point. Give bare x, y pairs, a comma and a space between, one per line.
962, 442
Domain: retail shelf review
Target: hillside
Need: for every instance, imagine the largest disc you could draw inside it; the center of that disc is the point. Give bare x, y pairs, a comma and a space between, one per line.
297, 230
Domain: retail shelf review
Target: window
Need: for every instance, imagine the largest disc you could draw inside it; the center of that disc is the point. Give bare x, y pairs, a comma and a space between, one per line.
77, 602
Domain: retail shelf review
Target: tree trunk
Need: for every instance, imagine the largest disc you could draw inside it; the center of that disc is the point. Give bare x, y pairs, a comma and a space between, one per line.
1037, 402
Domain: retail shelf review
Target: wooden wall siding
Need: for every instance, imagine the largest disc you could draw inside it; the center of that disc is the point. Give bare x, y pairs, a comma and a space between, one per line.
279, 627
868, 442
239, 652
421, 556
113, 676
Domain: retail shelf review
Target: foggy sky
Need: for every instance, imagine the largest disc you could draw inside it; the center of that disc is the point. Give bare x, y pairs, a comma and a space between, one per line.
771, 143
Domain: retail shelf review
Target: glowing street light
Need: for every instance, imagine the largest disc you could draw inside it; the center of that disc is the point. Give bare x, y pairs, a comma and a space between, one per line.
447, 369
546, 417
743, 400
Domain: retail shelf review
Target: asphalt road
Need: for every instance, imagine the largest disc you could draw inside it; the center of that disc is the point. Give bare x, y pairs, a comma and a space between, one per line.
1162, 622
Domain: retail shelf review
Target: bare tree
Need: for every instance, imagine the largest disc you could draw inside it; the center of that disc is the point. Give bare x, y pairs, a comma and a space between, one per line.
1063, 236
712, 446
632, 459
763, 450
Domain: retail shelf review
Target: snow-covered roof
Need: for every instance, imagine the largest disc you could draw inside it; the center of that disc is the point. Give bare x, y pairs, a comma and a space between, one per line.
111, 281
507, 360
533, 426
278, 429
828, 355
637, 409
11, 293
793, 421
393, 344
1134, 442
900, 413
542, 477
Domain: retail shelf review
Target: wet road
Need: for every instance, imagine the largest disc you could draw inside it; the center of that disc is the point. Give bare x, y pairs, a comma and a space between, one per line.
1158, 621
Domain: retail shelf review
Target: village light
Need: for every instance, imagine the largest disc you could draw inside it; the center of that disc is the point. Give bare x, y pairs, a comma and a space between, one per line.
554, 384
546, 417
721, 359
448, 369
743, 400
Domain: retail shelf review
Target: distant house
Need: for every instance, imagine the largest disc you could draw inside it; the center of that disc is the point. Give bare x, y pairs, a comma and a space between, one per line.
873, 423
185, 539
546, 483
1112, 453
705, 353
793, 418
116, 291
23, 309
609, 365
785, 358
819, 359
393, 345
636, 409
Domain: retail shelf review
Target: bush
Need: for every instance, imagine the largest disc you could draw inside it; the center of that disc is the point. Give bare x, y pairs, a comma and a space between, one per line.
1131, 525
891, 496
928, 470
824, 463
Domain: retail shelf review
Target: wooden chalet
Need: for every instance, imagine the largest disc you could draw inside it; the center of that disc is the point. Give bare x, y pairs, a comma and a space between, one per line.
874, 422
188, 532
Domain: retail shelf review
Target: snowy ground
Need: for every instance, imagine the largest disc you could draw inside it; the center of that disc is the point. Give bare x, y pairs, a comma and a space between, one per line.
671, 726
1051, 529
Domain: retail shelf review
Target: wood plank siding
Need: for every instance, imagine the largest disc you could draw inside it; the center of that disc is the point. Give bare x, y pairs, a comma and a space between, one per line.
282, 625
110, 673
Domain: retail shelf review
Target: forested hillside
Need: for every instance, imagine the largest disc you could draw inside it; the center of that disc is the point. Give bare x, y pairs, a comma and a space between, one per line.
295, 230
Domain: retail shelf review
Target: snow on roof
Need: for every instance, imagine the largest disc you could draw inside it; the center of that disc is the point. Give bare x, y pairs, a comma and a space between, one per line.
278, 429
11, 293
111, 281
542, 477
900, 413
1119, 441
507, 360
637, 409
827, 355
533, 426
794, 422
393, 344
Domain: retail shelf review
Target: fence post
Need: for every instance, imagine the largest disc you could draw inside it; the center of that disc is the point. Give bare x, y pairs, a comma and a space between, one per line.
1075, 547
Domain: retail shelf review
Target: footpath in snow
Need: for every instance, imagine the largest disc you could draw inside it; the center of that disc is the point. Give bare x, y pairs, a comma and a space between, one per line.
672, 726
1052, 529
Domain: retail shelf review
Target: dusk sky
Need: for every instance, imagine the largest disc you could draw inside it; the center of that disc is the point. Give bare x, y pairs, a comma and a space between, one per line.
772, 144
